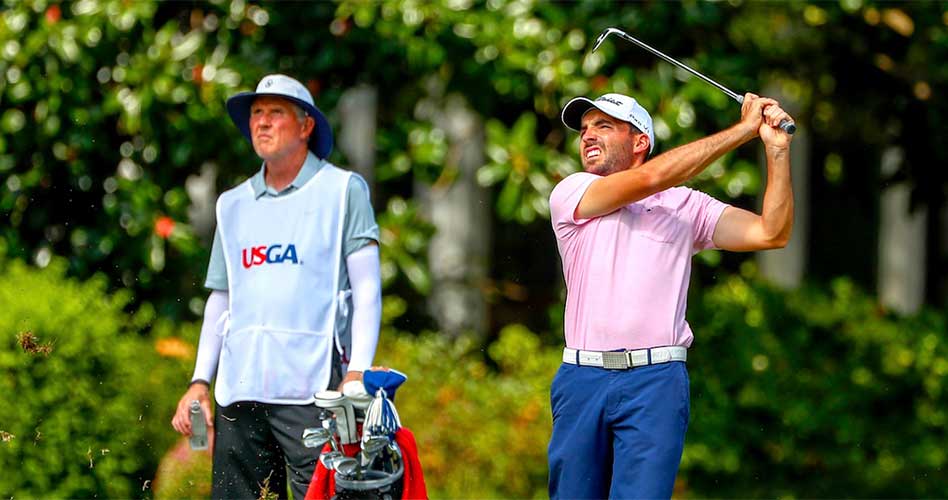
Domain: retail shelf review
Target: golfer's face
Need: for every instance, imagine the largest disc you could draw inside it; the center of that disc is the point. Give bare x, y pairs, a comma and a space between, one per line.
274, 128
605, 144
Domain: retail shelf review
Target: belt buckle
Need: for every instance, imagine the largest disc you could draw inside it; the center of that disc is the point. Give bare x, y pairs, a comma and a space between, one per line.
614, 360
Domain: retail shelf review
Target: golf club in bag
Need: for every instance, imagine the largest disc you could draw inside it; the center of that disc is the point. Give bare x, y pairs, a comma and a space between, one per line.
362, 444
786, 125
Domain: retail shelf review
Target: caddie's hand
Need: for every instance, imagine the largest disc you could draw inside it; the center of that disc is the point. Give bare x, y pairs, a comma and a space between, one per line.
350, 376
752, 113
770, 132
182, 416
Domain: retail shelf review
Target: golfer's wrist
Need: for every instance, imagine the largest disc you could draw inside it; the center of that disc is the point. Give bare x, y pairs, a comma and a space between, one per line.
746, 130
777, 152
199, 381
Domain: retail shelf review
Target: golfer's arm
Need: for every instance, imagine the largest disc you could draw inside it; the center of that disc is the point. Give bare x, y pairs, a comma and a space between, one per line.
740, 230
365, 279
666, 170
209, 345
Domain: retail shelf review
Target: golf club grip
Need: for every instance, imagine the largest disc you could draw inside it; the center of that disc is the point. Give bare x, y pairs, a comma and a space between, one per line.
787, 125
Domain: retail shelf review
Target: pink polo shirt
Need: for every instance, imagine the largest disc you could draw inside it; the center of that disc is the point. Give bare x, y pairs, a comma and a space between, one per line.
627, 272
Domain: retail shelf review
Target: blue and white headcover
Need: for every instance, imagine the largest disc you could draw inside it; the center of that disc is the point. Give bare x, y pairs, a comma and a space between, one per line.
381, 418
389, 380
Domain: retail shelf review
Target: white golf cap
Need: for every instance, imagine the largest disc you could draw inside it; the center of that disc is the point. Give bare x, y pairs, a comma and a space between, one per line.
618, 106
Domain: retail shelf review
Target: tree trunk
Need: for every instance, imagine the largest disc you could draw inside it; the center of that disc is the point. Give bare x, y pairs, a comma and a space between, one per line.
202, 190
460, 210
358, 110
786, 267
902, 234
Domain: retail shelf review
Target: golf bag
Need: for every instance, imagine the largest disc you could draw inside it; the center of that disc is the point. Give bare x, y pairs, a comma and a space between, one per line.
365, 453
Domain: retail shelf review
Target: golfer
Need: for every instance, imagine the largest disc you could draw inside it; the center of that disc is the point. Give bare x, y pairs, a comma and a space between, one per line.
626, 236
296, 297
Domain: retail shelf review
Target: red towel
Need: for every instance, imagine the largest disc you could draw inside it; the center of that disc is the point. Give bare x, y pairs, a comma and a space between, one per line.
414, 487
323, 485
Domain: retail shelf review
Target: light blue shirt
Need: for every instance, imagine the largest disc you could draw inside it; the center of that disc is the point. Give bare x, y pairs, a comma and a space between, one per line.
359, 228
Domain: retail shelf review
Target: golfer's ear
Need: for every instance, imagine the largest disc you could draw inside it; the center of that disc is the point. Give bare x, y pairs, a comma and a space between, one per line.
640, 143
309, 126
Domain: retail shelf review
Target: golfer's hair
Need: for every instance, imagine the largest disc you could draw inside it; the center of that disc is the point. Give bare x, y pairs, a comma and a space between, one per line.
634, 130
300, 114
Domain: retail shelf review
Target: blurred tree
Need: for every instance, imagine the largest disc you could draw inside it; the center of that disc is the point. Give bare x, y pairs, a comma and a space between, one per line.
101, 113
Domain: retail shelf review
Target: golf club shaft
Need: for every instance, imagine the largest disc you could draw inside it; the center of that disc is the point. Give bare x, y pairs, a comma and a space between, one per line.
629, 38
786, 125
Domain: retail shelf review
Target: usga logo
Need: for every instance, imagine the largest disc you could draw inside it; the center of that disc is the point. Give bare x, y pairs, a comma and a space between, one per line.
274, 254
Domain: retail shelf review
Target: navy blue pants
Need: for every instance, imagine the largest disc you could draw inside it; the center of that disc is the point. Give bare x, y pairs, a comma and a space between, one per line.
617, 433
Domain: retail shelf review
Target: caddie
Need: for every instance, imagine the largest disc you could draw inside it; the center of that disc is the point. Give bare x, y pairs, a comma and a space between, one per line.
626, 236
295, 301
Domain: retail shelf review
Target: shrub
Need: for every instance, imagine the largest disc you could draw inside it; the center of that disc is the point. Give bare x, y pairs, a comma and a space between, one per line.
183, 474
814, 393
90, 417
482, 432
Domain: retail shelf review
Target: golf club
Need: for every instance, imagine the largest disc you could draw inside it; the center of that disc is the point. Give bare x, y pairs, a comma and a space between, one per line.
347, 466
786, 125
330, 458
315, 437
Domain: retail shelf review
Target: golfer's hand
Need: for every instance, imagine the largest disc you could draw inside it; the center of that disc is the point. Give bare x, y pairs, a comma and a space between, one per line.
752, 113
350, 376
771, 134
182, 416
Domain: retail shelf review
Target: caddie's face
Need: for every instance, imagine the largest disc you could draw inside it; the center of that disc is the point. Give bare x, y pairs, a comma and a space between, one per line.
606, 144
275, 129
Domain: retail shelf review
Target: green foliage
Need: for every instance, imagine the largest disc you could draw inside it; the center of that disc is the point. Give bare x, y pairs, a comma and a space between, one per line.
90, 416
481, 428
109, 107
183, 473
814, 393
526, 170
404, 236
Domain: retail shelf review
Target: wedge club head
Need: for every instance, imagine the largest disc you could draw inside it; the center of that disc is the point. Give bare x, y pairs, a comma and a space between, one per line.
602, 36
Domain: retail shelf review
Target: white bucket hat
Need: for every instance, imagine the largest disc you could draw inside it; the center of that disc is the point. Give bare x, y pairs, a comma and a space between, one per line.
238, 107
618, 106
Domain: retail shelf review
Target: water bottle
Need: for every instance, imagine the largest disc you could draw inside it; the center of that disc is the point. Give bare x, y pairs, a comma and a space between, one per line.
198, 427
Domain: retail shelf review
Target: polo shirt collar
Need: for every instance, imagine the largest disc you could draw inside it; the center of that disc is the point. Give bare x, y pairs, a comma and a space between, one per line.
258, 182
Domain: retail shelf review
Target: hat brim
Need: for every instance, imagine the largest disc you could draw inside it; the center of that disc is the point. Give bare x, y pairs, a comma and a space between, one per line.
574, 111
320, 141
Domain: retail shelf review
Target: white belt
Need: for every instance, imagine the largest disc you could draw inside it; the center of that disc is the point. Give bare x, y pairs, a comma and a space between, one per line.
623, 360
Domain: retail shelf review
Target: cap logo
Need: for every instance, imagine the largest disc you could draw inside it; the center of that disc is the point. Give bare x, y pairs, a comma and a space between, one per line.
267, 84
610, 100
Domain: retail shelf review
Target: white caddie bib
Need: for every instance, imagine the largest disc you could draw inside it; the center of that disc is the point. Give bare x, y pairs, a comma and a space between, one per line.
282, 256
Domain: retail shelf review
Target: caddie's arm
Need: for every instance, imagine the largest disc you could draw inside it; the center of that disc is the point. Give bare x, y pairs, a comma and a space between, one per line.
365, 279
669, 169
205, 366
742, 230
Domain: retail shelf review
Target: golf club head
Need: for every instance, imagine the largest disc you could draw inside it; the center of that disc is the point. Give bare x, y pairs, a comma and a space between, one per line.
365, 459
375, 444
347, 466
330, 458
315, 437
602, 36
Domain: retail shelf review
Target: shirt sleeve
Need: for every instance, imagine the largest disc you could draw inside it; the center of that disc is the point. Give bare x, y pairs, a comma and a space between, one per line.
216, 267
359, 227
705, 212
565, 198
